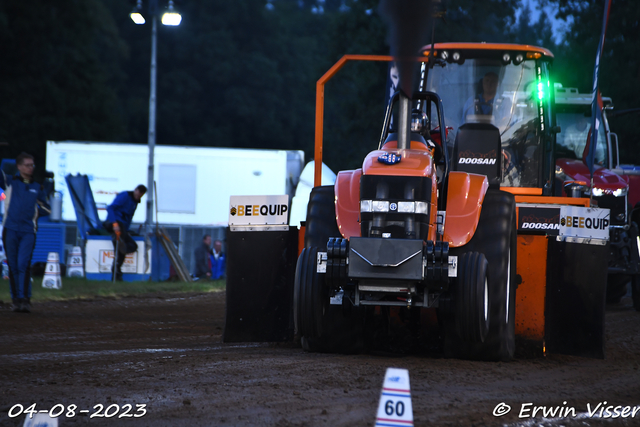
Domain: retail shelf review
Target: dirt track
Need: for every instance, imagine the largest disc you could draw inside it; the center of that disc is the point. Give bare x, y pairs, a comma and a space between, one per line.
166, 353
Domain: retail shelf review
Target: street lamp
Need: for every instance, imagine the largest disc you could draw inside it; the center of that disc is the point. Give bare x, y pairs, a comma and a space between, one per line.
172, 18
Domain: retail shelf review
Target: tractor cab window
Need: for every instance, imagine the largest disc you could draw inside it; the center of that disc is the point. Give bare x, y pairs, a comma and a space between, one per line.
572, 140
505, 95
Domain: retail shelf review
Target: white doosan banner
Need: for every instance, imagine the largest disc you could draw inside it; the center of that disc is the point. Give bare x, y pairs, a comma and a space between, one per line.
584, 222
259, 210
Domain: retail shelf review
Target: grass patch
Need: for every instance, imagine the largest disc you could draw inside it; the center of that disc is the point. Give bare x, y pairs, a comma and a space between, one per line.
81, 288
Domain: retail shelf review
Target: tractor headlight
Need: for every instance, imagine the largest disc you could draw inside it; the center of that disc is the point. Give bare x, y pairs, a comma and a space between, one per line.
374, 206
620, 192
406, 207
422, 208
400, 207
380, 206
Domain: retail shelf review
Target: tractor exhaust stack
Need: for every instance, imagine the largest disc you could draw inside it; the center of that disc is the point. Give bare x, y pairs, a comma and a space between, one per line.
404, 122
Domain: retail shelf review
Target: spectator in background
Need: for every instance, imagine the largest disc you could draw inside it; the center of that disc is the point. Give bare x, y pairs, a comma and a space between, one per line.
26, 201
218, 261
202, 255
119, 216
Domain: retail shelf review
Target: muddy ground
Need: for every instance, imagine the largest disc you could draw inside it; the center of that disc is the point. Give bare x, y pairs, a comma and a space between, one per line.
165, 352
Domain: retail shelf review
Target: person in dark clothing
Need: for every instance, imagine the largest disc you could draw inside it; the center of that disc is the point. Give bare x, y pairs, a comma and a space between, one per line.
203, 260
119, 216
26, 201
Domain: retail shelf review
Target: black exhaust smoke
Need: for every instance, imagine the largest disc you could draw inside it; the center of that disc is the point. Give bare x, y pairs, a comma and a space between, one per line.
410, 23
409, 27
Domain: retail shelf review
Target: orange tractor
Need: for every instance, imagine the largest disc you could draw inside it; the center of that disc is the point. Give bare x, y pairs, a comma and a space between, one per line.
451, 225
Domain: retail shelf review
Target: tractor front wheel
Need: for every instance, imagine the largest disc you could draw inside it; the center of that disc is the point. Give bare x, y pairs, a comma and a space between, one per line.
496, 238
472, 298
322, 326
308, 306
616, 287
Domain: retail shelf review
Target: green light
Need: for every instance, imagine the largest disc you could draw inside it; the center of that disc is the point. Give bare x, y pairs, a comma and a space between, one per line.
541, 90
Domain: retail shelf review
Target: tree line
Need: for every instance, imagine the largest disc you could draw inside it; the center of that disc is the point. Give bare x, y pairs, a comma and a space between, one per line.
243, 73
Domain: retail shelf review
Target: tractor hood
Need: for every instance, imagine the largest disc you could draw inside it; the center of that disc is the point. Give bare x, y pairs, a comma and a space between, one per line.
415, 161
603, 179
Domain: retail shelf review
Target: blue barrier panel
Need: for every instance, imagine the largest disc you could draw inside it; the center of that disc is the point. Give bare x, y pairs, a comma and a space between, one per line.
50, 238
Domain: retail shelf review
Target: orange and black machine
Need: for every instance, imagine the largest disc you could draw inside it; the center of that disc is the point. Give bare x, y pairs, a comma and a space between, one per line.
562, 243
453, 214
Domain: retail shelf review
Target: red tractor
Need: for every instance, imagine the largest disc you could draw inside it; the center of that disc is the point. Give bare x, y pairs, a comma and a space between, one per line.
611, 187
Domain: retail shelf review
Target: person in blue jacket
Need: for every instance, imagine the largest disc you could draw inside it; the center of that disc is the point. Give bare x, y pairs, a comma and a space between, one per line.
218, 261
26, 201
119, 216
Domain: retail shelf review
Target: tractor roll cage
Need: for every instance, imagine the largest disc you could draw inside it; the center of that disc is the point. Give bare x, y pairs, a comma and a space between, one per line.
423, 96
319, 134
317, 177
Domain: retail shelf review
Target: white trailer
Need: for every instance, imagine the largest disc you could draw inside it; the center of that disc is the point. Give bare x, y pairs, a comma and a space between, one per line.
194, 183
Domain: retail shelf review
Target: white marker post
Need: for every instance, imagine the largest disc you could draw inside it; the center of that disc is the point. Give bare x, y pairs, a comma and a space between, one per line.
75, 268
40, 420
51, 279
395, 407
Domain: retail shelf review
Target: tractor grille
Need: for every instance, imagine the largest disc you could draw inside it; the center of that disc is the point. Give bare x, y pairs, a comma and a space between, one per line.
395, 193
617, 206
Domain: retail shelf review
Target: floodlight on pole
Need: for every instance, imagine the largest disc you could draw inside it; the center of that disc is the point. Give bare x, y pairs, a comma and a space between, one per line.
171, 17
137, 18
173, 20
136, 15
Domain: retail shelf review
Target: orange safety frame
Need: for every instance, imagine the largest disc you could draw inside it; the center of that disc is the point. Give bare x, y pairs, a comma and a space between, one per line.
317, 177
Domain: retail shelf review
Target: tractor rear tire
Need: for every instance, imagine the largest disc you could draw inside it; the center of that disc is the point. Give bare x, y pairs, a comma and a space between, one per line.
635, 291
496, 238
321, 218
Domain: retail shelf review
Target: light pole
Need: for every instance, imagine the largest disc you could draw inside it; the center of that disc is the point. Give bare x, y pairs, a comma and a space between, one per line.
172, 18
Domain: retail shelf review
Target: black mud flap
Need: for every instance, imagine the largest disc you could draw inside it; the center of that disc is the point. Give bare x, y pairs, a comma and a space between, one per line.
575, 299
260, 272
